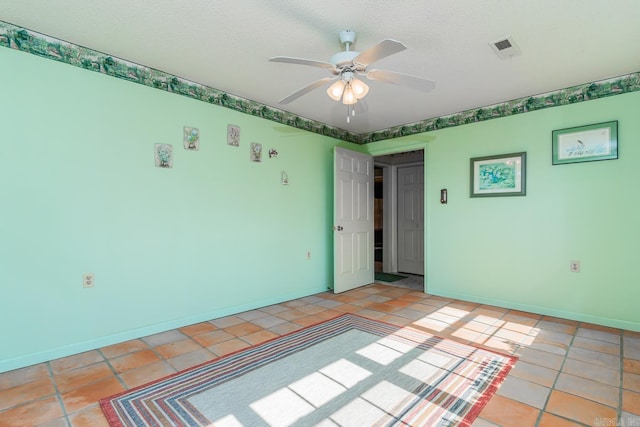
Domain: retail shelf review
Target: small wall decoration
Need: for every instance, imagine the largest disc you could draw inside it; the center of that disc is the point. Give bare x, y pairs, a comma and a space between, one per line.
273, 153
256, 152
284, 178
164, 155
501, 175
585, 143
233, 135
191, 138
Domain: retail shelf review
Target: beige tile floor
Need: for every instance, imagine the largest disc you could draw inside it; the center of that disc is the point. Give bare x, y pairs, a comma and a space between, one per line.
568, 374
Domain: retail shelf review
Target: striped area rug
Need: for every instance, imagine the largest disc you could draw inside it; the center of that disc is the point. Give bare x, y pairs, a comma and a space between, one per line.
348, 371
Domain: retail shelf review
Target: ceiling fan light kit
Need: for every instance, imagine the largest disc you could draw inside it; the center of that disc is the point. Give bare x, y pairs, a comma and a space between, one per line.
348, 88
347, 65
335, 90
349, 98
360, 89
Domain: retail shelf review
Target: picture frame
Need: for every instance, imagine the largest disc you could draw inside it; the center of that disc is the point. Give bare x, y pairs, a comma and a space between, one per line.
233, 135
163, 154
191, 138
585, 143
256, 152
498, 175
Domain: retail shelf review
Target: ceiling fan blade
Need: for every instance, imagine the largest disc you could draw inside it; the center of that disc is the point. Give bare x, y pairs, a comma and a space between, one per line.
306, 90
381, 50
300, 61
412, 82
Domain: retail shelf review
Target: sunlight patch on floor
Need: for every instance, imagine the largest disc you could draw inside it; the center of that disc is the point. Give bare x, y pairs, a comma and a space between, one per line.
379, 353
346, 373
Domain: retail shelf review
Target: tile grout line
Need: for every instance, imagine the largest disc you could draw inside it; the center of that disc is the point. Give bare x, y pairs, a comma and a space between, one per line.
65, 415
555, 381
492, 335
621, 384
621, 371
113, 370
521, 346
115, 374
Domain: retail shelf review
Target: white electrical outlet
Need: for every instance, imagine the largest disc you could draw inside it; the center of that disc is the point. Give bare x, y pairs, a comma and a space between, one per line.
574, 266
88, 280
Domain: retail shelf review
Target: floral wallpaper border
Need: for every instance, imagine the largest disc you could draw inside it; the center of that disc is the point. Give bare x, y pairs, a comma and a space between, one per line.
571, 95
25, 40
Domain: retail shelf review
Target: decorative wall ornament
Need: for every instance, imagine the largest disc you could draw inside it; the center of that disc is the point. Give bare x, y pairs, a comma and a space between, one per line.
15, 37
284, 178
273, 153
233, 135
256, 152
164, 155
191, 138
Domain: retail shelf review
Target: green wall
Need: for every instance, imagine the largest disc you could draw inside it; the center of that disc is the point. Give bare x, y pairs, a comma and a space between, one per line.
218, 234
214, 235
515, 251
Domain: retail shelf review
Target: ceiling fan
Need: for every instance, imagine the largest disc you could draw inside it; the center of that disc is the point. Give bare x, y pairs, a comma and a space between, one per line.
347, 65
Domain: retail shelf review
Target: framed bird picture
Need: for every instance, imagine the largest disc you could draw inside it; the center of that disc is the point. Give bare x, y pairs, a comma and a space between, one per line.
585, 143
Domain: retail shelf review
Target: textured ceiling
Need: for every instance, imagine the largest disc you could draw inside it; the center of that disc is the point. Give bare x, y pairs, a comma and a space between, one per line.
226, 45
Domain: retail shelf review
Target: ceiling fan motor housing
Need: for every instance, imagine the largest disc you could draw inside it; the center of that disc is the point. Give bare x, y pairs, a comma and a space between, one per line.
347, 37
346, 57
342, 59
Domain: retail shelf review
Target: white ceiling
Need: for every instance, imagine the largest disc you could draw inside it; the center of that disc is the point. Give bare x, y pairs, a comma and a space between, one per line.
226, 44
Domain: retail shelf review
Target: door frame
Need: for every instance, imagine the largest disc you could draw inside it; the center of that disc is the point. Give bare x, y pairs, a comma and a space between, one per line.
390, 205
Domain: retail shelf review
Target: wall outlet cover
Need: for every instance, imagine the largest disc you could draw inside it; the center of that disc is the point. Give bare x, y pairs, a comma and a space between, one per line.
88, 280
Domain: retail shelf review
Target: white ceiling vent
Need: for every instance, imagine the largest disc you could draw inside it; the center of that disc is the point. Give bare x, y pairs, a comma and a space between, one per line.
505, 47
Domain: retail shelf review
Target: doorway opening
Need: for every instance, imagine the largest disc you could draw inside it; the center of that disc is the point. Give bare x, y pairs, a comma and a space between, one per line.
399, 219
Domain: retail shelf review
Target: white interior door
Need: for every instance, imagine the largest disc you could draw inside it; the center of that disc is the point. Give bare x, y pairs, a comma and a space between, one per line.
411, 219
353, 220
